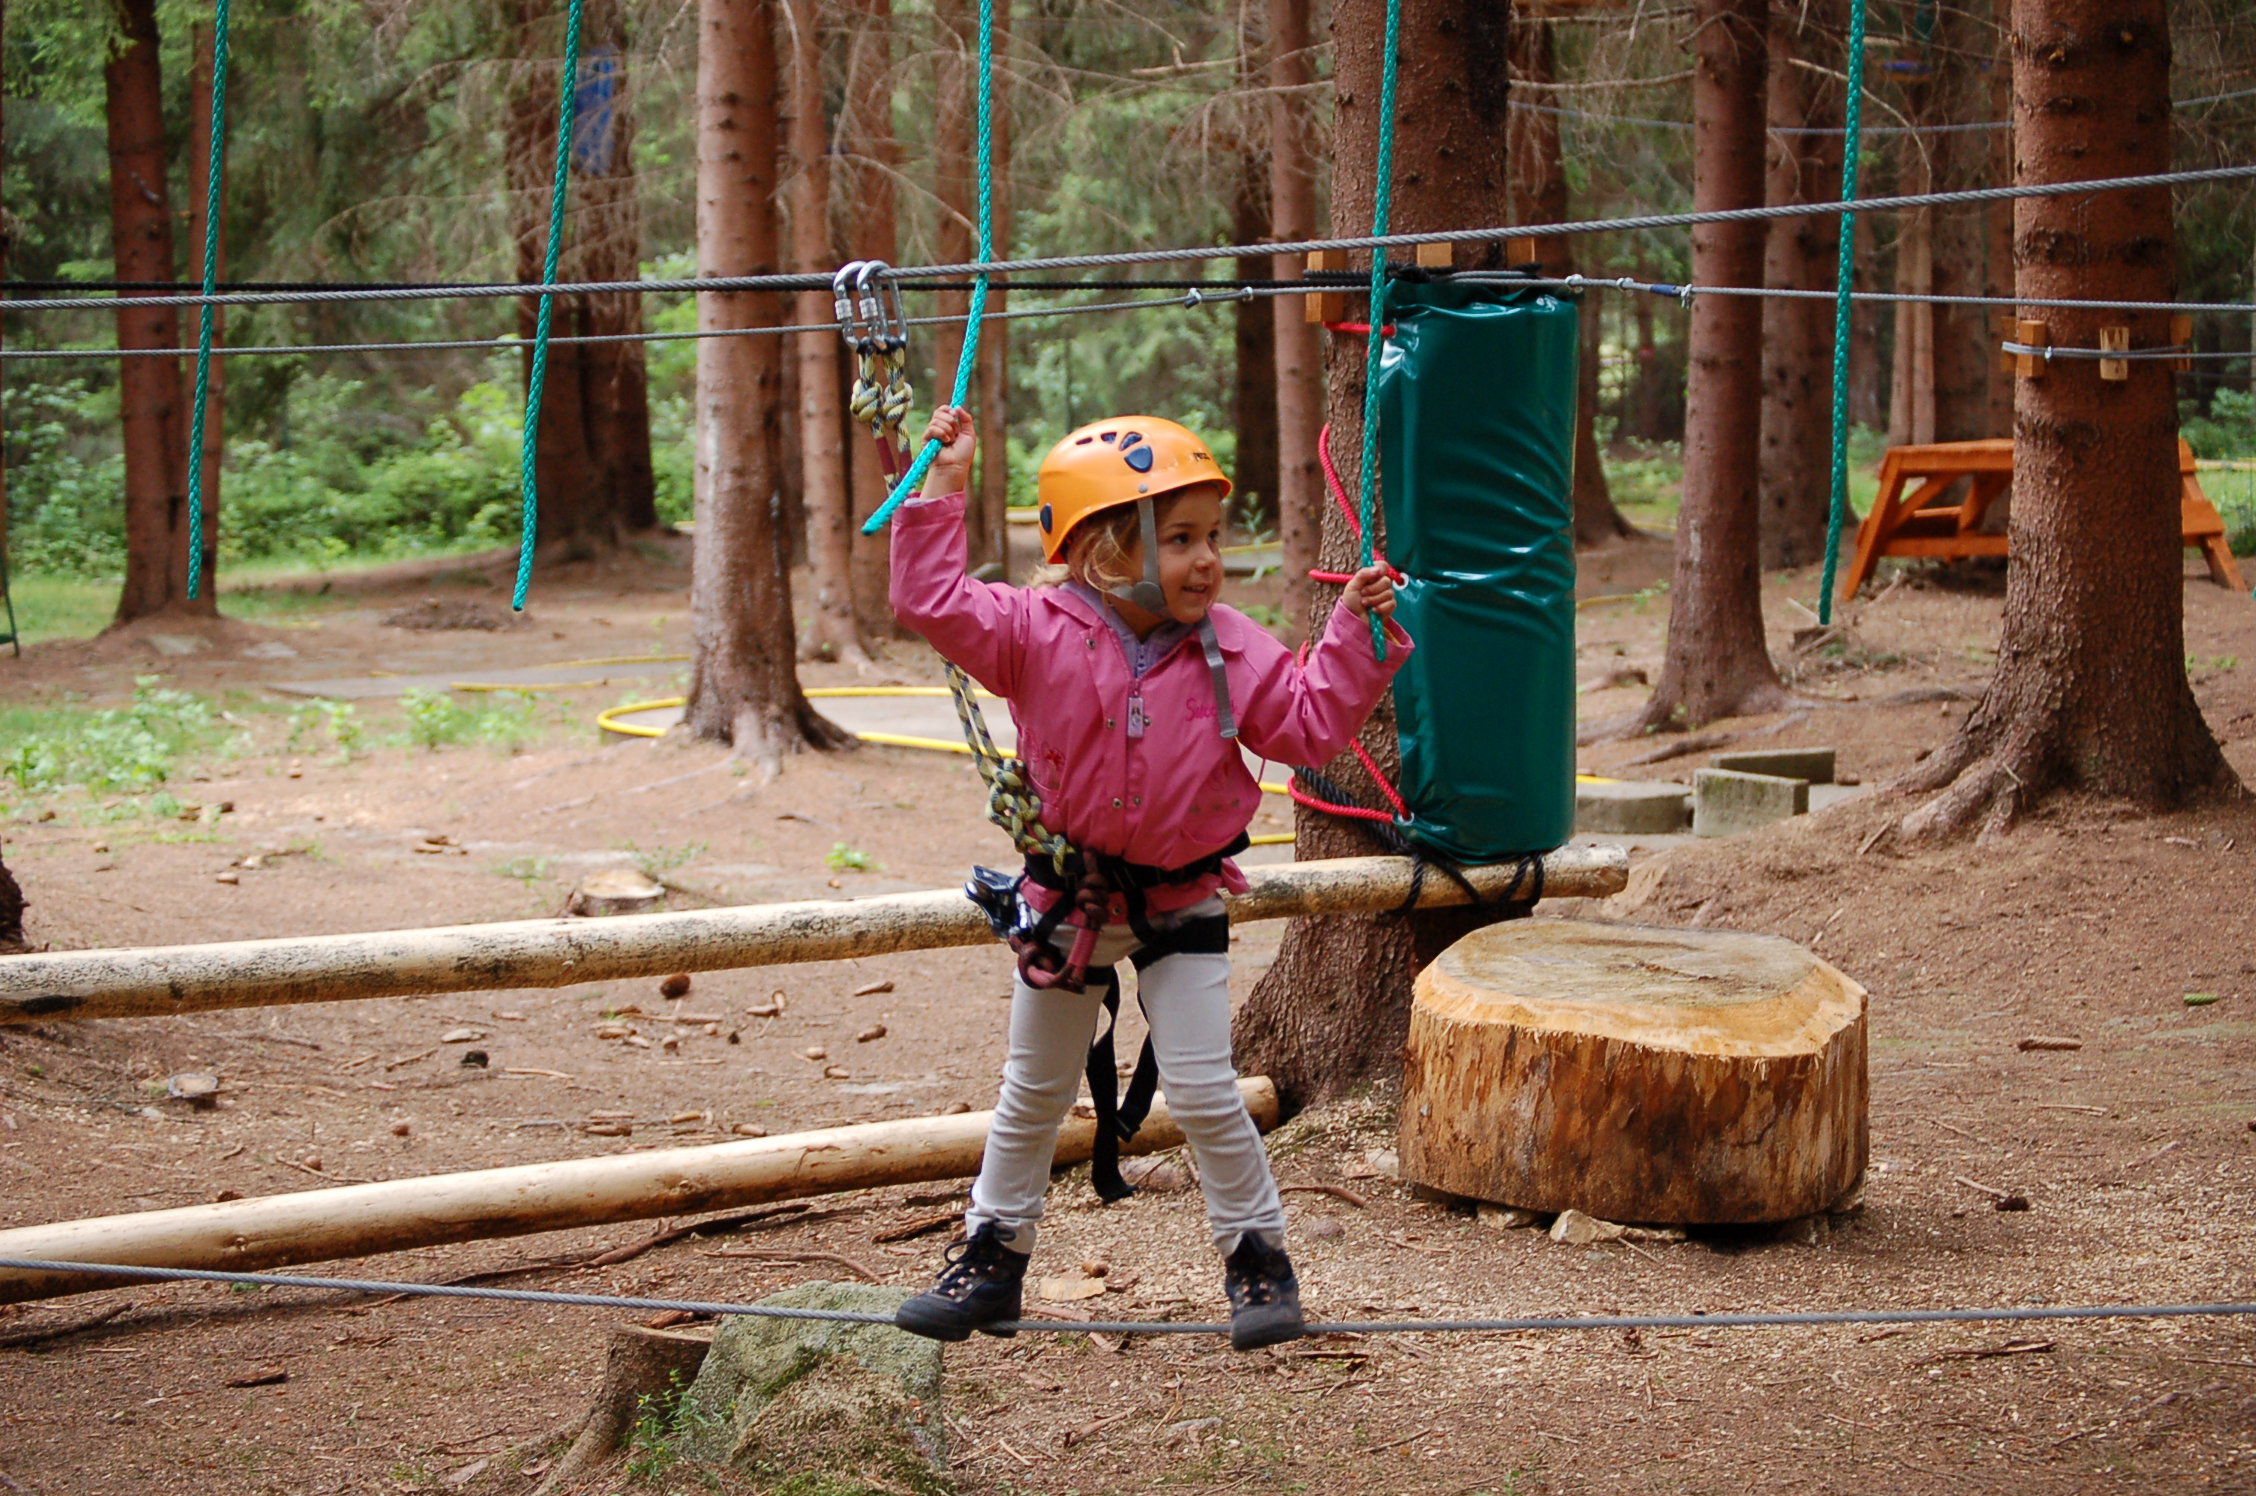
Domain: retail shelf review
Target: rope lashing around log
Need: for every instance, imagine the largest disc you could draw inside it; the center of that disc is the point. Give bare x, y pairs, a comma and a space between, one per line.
2003, 1314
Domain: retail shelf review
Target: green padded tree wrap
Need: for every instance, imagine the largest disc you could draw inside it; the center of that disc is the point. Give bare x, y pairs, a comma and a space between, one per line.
1476, 458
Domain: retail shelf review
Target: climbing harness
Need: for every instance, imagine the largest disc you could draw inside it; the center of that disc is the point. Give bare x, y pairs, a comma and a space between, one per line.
213, 171
1837, 509
871, 321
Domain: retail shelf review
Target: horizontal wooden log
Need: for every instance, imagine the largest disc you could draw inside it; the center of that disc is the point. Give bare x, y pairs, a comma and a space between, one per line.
355, 1220
158, 981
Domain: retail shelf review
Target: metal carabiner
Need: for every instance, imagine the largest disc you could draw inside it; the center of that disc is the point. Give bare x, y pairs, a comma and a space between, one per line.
881, 305
842, 304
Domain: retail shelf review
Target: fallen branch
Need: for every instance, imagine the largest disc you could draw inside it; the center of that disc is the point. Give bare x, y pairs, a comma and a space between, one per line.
799, 1258
1337, 1191
39, 1335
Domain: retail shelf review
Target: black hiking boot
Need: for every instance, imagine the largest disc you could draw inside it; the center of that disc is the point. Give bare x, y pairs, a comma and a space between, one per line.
1264, 1295
978, 1289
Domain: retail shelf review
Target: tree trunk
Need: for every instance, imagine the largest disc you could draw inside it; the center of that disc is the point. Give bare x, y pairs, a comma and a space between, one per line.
607, 224
152, 411
1539, 195
742, 687
822, 408
1866, 408
1254, 397
1961, 352
12, 904
1717, 664
199, 192
875, 235
2090, 691
1299, 342
1333, 1008
989, 511
1802, 254
1997, 218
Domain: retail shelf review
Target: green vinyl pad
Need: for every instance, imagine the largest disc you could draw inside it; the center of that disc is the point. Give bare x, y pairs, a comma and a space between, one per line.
1476, 448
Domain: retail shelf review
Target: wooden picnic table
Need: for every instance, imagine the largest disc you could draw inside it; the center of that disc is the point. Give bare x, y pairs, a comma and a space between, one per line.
1910, 517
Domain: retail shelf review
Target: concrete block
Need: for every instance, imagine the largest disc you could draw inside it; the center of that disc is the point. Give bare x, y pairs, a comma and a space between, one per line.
1726, 802
1812, 764
1632, 807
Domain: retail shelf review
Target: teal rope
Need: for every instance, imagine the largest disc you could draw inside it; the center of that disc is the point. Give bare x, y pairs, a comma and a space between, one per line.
1382, 194
528, 484
969, 361
204, 320
1844, 273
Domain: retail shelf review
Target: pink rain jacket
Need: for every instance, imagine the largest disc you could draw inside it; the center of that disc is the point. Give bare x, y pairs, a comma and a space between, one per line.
1181, 791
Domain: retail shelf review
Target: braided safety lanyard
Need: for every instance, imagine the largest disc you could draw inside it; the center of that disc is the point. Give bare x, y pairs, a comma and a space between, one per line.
868, 306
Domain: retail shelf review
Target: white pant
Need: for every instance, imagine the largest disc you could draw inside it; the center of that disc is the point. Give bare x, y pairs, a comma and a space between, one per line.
1186, 1000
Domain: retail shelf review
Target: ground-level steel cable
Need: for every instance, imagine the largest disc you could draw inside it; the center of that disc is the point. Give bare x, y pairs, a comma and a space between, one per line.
1964, 197
1512, 1325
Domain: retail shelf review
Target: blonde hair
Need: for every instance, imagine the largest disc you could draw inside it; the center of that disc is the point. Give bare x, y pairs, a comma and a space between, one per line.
1101, 551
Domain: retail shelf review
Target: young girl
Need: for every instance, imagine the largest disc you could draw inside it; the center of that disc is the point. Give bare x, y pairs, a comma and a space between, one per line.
1132, 687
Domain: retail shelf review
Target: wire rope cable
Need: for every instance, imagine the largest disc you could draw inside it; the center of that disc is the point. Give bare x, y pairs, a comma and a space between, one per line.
528, 465
1186, 254
1495, 1325
967, 362
214, 168
1844, 275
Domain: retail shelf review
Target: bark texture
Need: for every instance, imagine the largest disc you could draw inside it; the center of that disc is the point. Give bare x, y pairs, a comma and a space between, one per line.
743, 689
641, 1368
2090, 691
874, 234
1801, 253
1539, 195
1332, 1010
591, 456
1299, 342
152, 403
820, 357
1717, 664
1693, 1076
1253, 403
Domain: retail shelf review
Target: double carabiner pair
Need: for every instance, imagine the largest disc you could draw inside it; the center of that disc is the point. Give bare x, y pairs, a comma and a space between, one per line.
867, 301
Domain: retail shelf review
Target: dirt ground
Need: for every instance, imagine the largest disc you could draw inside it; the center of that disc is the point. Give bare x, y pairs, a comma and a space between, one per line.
2136, 1151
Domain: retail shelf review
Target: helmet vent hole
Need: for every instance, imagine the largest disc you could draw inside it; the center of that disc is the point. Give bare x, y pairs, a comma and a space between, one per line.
1109, 436
1130, 440
1084, 441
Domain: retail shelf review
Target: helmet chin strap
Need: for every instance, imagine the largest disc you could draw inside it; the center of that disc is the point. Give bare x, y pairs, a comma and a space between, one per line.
1146, 594
1150, 596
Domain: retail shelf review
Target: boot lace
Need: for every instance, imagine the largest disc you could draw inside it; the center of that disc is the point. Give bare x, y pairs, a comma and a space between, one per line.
972, 1261
1255, 1276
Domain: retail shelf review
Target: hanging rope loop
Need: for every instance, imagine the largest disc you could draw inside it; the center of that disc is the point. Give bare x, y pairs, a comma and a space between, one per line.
214, 170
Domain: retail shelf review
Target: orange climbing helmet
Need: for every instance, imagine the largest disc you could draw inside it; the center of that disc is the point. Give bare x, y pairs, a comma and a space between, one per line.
1117, 461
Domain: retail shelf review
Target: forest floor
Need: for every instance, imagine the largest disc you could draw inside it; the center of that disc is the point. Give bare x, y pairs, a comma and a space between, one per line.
2135, 1151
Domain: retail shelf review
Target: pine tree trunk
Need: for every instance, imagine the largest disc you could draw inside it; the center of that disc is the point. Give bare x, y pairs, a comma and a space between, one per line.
1539, 195
822, 408
992, 493
1254, 396
152, 407
874, 231
607, 223
569, 516
199, 192
1717, 664
1333, 1009
1962, 353
1866, 407
743, 689
1800, 253
1300, 344
2090, 691
1997, 218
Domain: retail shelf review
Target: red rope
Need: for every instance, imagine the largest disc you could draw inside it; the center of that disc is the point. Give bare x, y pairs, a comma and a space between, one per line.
1357, 812
1370, 766
1339, 497
1360, 329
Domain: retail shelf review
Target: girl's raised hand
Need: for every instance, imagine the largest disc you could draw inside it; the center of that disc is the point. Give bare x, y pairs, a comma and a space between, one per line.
1369, 591
952, 428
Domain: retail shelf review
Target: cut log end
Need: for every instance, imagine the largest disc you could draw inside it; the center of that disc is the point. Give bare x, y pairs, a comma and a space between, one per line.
1689, 1076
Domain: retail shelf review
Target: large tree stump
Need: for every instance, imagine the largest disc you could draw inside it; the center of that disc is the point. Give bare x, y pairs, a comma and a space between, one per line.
1636, 1074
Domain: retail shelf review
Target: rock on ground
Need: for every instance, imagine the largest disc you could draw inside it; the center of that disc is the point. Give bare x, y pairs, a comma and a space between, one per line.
847, 1409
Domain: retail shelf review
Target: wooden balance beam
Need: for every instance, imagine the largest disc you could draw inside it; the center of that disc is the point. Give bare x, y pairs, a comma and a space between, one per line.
160, 981
1907, 518
394, 1215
